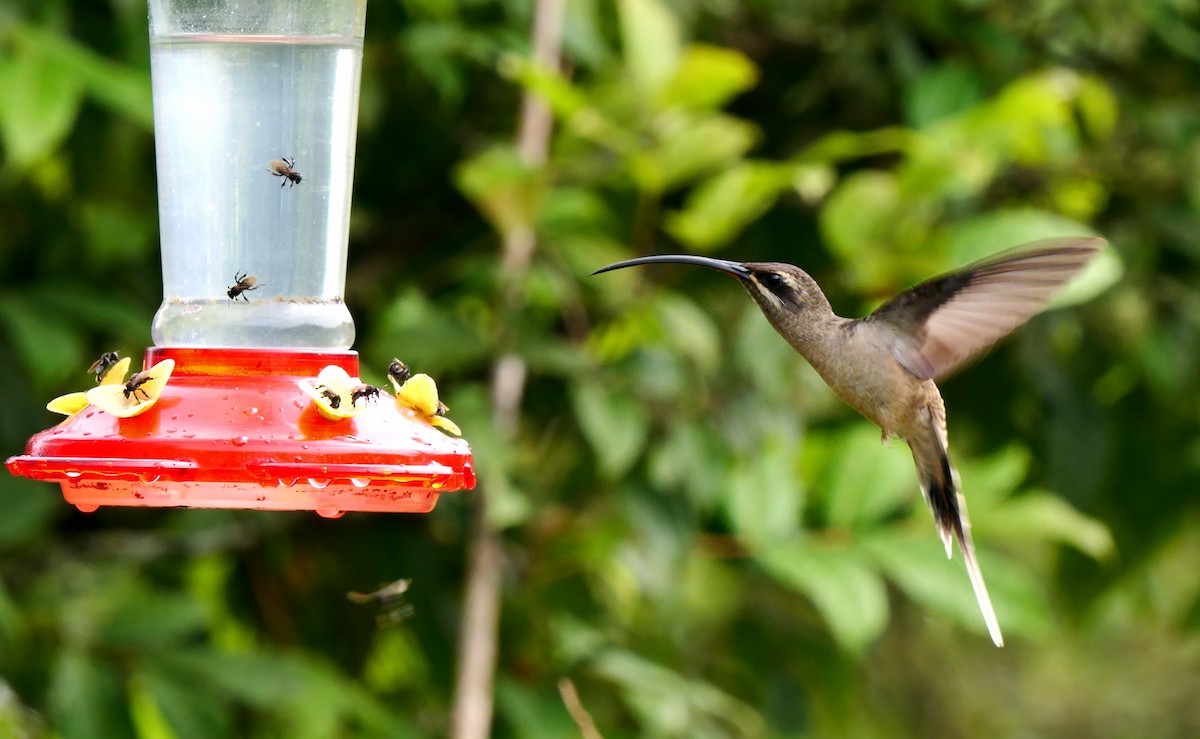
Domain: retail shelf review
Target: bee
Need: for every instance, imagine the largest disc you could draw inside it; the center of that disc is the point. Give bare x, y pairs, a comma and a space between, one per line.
102, 365
391, 600
285, 168
134, 386
334, 399
244, 282
367, 392
399, 371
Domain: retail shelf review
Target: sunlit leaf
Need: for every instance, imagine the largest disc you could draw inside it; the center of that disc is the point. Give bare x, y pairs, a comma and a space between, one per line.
1039, 516
708, 76
691, 149
718, 209
504, 188
171, 706
650, 38
856, 217
1098, 106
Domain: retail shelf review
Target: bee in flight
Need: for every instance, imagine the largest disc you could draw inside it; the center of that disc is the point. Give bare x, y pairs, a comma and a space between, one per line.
102, 365
285, 168
134, 386
243, 282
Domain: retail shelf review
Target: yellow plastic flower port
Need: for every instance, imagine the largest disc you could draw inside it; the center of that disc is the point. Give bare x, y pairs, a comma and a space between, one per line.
419, 394
128, 398
333, 393
68, 404
72, 403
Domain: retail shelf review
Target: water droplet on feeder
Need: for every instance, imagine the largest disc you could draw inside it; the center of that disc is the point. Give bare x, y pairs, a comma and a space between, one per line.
359, 482
75, 475
330, 513
239, 441
318, 484
87, 507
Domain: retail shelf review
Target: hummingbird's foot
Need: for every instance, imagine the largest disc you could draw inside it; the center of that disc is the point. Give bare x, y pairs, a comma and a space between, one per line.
886, 438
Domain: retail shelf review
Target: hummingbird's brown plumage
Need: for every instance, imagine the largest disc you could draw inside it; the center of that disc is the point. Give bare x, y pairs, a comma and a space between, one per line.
884, 365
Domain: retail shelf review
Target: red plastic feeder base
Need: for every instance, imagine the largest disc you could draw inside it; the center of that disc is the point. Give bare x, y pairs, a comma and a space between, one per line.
232, 430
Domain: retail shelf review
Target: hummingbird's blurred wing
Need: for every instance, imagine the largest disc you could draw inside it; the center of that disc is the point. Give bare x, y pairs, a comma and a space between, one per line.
943, 322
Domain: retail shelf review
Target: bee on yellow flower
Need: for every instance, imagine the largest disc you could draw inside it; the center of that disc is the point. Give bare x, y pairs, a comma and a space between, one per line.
419, 394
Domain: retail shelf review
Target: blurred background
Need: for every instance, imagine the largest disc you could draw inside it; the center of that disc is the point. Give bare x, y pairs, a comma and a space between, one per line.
690, 526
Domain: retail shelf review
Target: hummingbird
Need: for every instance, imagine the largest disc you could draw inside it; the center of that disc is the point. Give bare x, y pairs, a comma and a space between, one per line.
884, 365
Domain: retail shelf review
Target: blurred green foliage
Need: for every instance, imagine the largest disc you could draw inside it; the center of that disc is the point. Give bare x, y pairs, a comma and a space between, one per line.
696, 531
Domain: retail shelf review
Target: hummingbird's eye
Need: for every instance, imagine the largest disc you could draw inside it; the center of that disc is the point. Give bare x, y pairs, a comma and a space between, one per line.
772, 280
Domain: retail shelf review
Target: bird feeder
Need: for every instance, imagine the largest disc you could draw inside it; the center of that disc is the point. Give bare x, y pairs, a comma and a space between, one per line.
255, 112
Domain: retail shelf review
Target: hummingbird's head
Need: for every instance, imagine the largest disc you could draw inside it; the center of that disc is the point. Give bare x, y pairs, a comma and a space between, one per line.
783, 291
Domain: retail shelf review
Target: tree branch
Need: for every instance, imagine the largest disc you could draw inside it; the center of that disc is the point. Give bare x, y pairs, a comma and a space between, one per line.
477, 648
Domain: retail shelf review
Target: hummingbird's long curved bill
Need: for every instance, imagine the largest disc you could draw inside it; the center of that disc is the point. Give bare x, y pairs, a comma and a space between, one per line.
737, 269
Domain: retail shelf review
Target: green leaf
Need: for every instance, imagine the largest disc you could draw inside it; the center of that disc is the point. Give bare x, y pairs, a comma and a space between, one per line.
708, 77
918, 565
689, 148
940, 92
39, 99
650, 36
506, 190
144, 619
841, 583
862, 481
690, 457
671, 704
1041, 516
175, 706
689, 329
1098, 107
86, 699
48, 347
615, 425
719, 208
987, 481
858, 216
29, 507
507, 505
125, 90
764, 498
530, 712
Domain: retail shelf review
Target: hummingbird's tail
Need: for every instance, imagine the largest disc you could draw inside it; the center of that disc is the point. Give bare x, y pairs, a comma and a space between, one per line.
939, 484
